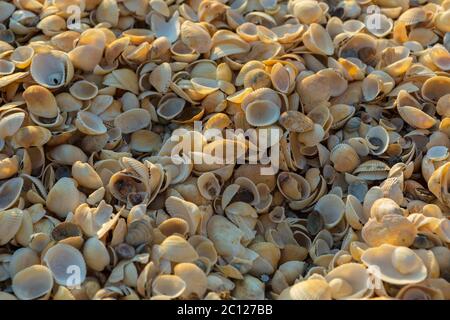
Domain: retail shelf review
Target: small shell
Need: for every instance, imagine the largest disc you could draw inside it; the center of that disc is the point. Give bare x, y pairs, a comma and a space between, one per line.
41, 102
262, 113
95, 254
396, 265
139, 232
317, 40
195, 37
10, 192
195, 279
176, 249
64, 260
170, 108
161, 77
132, 120
21, 57
311, 289
10, 222
208, 185
84, 90
89, 123
51, 69
348, 281
62, 197
22, 259
32, 283
435, 87
331, 208
296, 121
378, 138
170, 286
344, 158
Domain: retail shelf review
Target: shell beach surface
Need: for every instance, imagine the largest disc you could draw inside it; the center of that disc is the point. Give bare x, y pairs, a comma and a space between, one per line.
351, 99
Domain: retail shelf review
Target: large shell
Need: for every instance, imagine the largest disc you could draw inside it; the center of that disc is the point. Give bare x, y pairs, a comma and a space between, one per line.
66, 264
396, 265
51, 69
32, 283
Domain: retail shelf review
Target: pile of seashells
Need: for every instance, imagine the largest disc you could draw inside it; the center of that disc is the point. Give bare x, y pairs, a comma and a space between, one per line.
93, 204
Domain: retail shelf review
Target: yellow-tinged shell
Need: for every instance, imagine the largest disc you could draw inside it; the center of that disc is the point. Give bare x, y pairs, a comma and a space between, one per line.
311, 289
396, 265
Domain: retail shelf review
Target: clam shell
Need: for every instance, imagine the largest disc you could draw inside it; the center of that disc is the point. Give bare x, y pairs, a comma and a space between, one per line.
262, 113
176, 249
349, 281
61, 199
195, 279
66, 264
170, 286
10, 192
32, 283
11, 221
396, 265
51, 69
331, 208
41, 102
132, 120
95, 254
311, 289
344, 158
317, 40
89, 123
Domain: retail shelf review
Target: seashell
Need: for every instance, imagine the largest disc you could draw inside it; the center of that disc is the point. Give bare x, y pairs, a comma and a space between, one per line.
170, 108
378, 138
21, 57
418, 292
317, 40
188, 211
349, 281
208, 185
310, 289
170, 286
67, 154
139, 232
51, 69
132, 120
22, 259
95, 254
32, 283
122, 79
11, 221
331, 208
296, 121
416, 117
195, 37
63, 260
10, 192
390, 229
195, 279
41, 102
435, 87
68, 233
61, 199
344, 158
176, 249
10, 124
262, 113
160, 78
249, 287
89, 123
397, 265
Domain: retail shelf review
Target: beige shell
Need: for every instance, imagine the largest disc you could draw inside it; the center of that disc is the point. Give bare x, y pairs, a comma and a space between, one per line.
41, 102
344, 158
188, 211
170, 286
195, 279
349, 281
67, 154
176, 249
32, 283
10, 192
10, 222
132, 120
89, 123
95, 254
296, 121
397, 265
311, 289
139, 232
63, 260
249, 288
86, 176
62, 198
51, 69
68, 233
262, 113
331, 208
317, 40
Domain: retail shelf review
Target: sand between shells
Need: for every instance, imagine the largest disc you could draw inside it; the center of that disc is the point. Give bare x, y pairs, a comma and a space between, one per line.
93, 205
